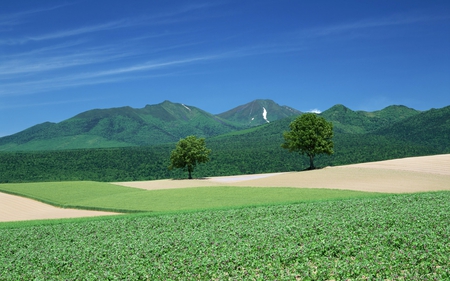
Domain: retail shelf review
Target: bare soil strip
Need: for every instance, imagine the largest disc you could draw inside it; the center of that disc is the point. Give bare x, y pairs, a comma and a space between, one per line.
417, 174
437, 164
16, 208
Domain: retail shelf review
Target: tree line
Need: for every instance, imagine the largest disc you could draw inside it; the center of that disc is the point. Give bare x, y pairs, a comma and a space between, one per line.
150, 163
233, 155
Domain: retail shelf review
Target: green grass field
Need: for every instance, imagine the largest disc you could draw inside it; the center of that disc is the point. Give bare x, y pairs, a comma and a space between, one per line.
104, 196
229, 233
394, 237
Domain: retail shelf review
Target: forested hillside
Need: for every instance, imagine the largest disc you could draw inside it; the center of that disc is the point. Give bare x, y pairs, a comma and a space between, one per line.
429, 128
233, 156
154, 124
118, 127
254, 150
346, 120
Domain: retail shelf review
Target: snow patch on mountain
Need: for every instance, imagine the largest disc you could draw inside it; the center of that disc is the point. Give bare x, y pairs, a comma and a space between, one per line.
186, 107
265, 114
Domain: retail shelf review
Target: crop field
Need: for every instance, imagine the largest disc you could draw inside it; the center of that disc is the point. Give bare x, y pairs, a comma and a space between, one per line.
395, 237
109, 197
241, 227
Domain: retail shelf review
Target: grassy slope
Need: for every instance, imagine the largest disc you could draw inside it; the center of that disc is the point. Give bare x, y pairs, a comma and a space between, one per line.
220, 197
71, 194
104, 196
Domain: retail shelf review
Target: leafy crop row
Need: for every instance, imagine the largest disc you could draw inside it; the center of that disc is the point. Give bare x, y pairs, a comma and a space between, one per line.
399, 237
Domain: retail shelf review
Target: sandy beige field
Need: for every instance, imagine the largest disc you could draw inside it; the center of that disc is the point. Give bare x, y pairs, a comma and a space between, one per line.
414, 174
429, 173
16, 208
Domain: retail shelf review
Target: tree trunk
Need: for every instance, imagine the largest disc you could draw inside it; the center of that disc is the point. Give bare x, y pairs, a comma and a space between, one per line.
190, 173
311, 162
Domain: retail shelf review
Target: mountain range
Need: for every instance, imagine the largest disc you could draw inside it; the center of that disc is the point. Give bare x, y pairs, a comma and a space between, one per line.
153, 124
126, 144
167, 122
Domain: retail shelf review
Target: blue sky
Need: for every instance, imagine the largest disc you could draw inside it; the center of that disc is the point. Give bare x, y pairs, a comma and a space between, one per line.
60, 58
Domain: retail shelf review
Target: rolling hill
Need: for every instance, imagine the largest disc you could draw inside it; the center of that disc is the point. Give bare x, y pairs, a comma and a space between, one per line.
168, 122
346, 120
246, 151
358, 137
430, 128
118, 127
125, 126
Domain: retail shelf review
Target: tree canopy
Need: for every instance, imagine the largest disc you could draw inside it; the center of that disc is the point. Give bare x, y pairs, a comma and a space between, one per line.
311, 135
188, 152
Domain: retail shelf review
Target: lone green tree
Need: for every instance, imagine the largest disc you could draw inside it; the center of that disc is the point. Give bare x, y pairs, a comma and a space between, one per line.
188, 152
311, 135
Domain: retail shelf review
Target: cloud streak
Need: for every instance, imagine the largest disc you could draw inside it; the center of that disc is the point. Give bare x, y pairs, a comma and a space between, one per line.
394, 20
31, 64
172, 17
37, 62
24, 105
72, 32
118, 61
14, 69
10, 20
114, 75
84, 30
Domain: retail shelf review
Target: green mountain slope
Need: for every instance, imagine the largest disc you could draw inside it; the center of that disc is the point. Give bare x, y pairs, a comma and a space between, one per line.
261, 145
431, 128
124, 126
357, 133
346, 120
258, 112
253, 150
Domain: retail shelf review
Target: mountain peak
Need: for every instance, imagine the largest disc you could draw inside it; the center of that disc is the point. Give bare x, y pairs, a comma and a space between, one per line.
339, 107
258, 112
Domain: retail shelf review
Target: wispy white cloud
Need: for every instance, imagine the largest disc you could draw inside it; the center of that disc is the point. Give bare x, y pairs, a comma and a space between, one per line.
28, 72
33, 66
258, 50
86, 29
315, 110
72, 32
55, 102
50, 49
8, 20
183, 14
176, 16
96, 77
46, 85
148, 66
394, 20
32, 63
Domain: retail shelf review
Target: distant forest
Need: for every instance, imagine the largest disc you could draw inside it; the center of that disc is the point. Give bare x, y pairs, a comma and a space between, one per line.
246, 156
358, 137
